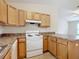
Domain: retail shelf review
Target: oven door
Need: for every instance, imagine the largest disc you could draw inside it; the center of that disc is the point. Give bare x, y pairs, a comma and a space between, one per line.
34, 42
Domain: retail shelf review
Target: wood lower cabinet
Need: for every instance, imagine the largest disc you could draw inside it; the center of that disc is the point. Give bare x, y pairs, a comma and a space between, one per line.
21, 48
52, 45
8, 55
73, 50
45, 19
61, 51
3, 12
62, 48
45, 43
21, 16
12, 15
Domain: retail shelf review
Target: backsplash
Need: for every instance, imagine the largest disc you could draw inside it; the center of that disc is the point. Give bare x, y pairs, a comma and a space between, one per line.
1, 30
28, 27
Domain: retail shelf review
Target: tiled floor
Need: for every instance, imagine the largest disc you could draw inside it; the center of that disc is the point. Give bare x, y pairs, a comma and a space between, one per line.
44, 56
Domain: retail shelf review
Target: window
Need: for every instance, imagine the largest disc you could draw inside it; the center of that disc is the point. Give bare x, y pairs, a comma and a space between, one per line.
77, 29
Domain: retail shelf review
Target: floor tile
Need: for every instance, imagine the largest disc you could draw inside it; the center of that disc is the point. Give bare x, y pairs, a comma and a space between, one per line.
44, 56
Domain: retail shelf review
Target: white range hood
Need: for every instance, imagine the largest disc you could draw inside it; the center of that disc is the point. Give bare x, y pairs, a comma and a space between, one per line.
33, 21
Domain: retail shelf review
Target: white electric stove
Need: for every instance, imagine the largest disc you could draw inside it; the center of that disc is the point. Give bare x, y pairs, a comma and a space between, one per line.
34, 43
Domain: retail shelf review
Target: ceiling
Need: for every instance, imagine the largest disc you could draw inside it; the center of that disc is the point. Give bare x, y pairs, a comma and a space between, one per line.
71, 3
33, 1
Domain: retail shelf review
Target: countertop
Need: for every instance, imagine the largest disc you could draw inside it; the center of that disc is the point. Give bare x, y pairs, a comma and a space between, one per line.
63, 36
8, 39
68, 37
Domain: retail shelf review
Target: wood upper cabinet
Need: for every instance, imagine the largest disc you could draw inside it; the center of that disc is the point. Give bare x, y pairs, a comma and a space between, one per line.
25, 16
8, 55
21, 18
52, 45
3, 12
45, 43
45, 19
29, 15
61, 51
33, 15
36, 16
73, 50
12, 15
21, 48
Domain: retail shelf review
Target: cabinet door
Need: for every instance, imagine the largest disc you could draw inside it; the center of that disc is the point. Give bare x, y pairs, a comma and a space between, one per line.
36, 16
52, 46
12, 15
29, 15
8, 55
21, 17
61, 51
3, 12
73, 50
22, 48
45, 19
45, 43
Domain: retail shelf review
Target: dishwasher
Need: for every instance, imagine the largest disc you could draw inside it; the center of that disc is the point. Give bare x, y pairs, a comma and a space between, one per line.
34, 43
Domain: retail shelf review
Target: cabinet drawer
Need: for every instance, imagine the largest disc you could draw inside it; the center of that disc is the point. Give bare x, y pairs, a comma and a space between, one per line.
62, 41
45, 37
52, 38
21, 39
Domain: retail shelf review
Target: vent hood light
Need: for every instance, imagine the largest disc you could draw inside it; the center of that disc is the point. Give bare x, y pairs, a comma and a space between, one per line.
33, 21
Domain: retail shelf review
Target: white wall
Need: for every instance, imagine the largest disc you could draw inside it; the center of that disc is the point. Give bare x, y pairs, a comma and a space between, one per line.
72, 27
1, 30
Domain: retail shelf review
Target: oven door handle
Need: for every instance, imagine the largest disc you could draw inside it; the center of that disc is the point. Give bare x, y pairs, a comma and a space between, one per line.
37, 34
